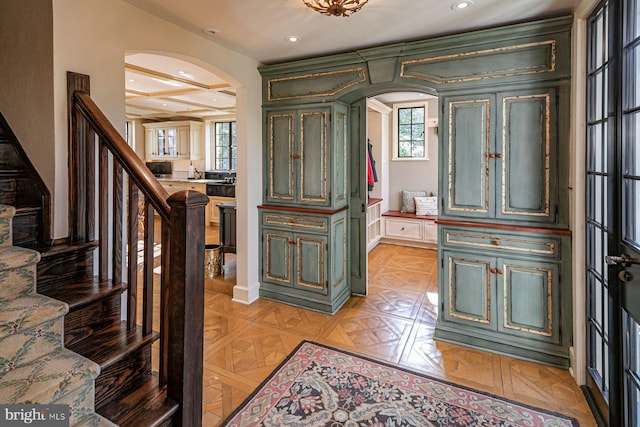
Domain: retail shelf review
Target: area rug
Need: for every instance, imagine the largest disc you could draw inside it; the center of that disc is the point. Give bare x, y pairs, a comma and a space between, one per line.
322, 386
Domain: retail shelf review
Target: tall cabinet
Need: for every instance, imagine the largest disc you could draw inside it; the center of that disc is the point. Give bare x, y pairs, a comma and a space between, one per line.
304, 215
504, 243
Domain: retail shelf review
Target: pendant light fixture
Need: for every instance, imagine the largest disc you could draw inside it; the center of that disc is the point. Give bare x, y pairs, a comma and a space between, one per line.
336, 7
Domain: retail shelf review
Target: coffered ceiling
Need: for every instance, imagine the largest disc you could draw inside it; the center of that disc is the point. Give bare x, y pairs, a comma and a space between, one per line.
162, 87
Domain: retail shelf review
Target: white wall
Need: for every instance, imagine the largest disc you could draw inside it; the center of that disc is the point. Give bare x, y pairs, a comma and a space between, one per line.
26, 79
415, 175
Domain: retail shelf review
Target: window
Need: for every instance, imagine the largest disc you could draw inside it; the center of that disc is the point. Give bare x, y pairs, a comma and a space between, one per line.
225, 139
409, 135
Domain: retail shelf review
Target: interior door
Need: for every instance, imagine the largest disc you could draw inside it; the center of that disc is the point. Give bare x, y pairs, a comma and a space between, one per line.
613, 217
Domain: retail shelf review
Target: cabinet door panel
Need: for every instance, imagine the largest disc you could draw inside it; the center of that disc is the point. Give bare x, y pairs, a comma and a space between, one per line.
527, 146
277, 253
340, 159
468, 143
311, 268
313, 151
530, 299
468, 289
281, 163
183, 141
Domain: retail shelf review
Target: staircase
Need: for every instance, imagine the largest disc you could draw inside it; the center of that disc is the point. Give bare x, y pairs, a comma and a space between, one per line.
34, 365
128, 348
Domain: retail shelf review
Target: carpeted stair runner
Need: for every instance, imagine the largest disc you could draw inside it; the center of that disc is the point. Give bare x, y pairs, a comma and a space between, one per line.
34, 365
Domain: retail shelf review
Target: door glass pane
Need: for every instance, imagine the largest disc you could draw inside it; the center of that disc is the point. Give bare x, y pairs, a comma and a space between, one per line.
598, 116
631, 124
631, 351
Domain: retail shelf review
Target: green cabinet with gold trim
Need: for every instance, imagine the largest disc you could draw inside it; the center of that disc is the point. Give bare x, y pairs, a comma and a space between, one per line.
500, 156
305, 156
503, 290
305, 258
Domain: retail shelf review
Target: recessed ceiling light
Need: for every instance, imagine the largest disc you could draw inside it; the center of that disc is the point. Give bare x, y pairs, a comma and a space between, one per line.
462, 4
131, 81
164, 105
293, 39
211, 31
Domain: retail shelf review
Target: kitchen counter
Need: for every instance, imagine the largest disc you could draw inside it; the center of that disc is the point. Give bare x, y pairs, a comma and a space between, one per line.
190, 180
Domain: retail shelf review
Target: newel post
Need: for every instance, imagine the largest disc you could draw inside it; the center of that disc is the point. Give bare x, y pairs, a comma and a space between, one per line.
185, 305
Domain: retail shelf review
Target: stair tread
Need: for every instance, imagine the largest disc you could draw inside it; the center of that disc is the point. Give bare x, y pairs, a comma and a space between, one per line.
6, 211
147, 405
26, 210
47, 378
111, 345
55, 250
28, 311
84, 291
94, 420
15, 257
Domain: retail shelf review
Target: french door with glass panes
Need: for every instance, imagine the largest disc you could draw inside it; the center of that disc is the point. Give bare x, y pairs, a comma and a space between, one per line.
613, 211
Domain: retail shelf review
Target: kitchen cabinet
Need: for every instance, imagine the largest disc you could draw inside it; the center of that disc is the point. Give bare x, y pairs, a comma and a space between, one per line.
500, 156
306, 155
175, 186
305, 258
174, 140
213, 213
505, 291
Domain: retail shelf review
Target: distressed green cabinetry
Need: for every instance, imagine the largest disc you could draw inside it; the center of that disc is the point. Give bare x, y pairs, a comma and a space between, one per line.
507, 291
500, 155
306, 155
305, 258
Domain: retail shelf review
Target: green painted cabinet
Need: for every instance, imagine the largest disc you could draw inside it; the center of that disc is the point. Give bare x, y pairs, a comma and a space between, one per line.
305, 258
306, 154
499, 152
502, 290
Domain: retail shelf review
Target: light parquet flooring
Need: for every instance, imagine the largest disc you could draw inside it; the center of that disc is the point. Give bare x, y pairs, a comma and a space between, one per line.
394, 323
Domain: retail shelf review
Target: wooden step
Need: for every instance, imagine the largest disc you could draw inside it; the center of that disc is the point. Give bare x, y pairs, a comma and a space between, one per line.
148, 405
93, 306
124, 358
64, 264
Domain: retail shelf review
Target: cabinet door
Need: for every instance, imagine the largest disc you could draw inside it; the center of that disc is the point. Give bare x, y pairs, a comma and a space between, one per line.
311, 263
529, 299
468, 145
182, 142
313, 162
468, 289
277, 252
150, 144
279, 157
526, 171
196, 142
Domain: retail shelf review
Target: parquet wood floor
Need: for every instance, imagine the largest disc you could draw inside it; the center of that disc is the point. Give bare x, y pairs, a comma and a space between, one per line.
395, 323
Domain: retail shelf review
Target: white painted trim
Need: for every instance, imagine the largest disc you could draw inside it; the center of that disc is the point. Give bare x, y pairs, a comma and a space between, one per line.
378, 106
577, 185
246, 294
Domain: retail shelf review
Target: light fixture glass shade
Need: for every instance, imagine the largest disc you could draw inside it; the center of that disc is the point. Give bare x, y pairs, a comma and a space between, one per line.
336, 7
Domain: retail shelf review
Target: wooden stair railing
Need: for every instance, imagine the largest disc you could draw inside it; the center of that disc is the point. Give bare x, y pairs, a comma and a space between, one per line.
100, 162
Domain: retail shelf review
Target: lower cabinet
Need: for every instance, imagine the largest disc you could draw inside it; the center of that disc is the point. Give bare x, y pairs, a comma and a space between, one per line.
305, 259
510, 295
213, 212
409, 230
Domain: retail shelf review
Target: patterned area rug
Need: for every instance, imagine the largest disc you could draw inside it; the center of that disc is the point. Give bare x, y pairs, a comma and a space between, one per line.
322, 386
